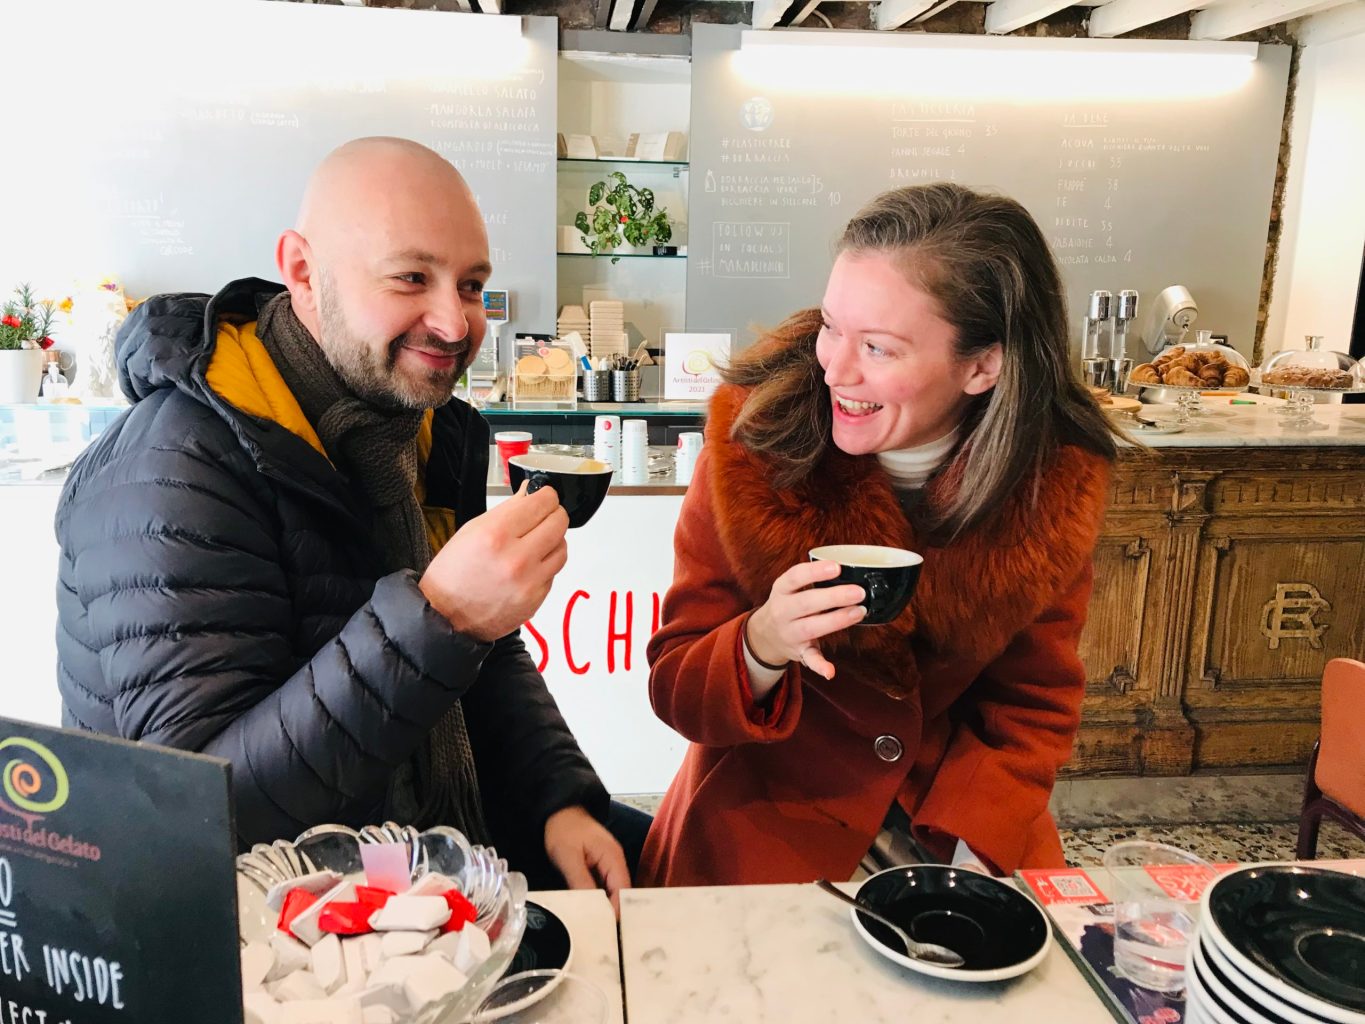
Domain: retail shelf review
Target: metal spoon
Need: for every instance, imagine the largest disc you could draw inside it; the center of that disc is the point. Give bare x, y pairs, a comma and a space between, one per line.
926, 951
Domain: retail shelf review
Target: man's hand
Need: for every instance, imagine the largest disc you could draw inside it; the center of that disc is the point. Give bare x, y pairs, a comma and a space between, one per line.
495, 572
586, 854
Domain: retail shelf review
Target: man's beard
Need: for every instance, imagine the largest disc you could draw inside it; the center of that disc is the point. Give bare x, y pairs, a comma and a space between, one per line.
376, 379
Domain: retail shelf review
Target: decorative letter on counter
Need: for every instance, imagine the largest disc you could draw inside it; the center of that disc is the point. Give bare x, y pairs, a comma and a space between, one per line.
117, 886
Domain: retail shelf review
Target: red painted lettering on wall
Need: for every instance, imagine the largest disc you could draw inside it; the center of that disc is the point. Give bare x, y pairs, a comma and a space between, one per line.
619, 632
615, 635
544, 658
568, 644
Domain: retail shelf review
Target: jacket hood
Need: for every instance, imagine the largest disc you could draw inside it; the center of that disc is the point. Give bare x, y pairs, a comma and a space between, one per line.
168, 341
206, 347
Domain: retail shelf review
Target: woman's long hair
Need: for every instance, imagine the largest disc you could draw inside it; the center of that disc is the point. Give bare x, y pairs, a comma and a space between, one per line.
986, 263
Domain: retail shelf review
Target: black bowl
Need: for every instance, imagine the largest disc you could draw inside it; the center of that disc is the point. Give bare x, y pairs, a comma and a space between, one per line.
990, 923
1296, 926
580, 483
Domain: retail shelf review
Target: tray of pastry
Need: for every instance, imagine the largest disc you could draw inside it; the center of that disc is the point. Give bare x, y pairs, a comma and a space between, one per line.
1194, 368
1307, 378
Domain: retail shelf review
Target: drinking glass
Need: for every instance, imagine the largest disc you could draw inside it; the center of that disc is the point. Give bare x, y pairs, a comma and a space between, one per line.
1155, 891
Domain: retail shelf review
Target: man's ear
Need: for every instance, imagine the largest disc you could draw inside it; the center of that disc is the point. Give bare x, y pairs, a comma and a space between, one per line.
298, 271
984, 370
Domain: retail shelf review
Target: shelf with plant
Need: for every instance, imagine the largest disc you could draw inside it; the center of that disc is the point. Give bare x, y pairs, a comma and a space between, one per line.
621, 212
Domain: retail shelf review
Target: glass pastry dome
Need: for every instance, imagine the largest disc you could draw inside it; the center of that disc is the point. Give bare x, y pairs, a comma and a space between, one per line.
1202, 366
1313, 368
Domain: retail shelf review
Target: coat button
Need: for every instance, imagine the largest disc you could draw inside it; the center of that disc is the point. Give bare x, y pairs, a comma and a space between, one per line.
888, 748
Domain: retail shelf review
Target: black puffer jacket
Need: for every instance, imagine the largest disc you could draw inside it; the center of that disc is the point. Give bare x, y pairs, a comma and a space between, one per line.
220, 592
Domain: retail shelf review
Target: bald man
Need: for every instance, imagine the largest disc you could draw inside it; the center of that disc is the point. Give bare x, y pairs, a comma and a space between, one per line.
281, 554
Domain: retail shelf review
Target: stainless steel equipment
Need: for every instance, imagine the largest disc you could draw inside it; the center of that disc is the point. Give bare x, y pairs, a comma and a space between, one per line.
1096, 341
1119, 362
1169, 317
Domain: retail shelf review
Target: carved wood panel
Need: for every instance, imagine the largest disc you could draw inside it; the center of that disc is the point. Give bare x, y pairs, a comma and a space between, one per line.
1111, 641
1279, 609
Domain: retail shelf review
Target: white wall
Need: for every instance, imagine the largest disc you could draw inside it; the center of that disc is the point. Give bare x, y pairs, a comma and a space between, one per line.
1324, 208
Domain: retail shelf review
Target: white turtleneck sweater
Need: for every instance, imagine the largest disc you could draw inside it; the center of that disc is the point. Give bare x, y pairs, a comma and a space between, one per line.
908, 469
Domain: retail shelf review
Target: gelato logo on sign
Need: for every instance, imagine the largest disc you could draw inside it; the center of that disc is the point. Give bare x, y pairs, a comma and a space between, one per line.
34, 782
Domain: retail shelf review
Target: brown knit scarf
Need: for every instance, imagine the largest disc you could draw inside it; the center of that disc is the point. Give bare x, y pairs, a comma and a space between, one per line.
375, 449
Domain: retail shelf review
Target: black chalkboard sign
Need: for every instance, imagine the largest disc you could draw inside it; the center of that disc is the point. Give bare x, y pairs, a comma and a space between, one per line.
118, 898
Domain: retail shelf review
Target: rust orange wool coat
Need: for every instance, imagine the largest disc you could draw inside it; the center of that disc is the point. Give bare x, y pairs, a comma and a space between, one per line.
978, 678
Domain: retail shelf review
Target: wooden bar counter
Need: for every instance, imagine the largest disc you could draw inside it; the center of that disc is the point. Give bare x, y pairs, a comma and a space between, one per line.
1230, 570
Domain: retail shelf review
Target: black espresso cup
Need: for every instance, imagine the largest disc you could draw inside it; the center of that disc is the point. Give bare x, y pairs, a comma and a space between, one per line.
887, 576
580, 483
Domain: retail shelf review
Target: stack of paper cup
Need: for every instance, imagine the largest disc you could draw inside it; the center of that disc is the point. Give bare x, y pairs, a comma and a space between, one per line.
634, 451
689, 447
606, 441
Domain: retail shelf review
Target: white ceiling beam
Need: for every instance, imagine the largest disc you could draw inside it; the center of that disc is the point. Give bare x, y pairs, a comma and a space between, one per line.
1328, 27
768, 13
490, 6
1120, 16
1235, 17
806, 11
891, 14
1005, 16
621, 10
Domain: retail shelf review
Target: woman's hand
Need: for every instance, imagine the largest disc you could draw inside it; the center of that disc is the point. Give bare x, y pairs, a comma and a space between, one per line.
797, 614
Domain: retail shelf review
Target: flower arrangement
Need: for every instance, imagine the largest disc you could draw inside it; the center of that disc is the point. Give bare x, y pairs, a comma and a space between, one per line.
619, 208
25, 322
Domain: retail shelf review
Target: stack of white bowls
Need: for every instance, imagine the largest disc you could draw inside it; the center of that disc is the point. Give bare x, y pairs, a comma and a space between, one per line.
1281, 944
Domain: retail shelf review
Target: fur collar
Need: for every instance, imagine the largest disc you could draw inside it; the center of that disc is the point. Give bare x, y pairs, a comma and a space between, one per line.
973, 596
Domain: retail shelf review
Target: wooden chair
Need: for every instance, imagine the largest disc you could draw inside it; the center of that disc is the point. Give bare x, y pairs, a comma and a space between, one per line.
1335, 787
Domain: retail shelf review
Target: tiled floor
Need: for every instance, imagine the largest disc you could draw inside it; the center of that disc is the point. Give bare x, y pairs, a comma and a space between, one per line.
1219, 843
1241, 818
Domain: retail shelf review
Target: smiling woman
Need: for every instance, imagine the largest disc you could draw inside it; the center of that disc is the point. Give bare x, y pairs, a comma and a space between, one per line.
928, 406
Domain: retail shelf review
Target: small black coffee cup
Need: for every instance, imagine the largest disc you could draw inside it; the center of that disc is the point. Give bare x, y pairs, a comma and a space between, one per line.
580, 483
887, 576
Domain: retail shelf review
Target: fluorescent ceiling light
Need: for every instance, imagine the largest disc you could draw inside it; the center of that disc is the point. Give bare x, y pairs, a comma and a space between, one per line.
946, 42
940, 64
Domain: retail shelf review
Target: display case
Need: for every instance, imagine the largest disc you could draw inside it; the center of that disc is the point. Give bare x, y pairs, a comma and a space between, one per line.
544, 376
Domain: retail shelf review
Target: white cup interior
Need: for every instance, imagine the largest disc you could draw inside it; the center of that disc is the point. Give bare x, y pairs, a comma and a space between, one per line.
866, 556
548, 463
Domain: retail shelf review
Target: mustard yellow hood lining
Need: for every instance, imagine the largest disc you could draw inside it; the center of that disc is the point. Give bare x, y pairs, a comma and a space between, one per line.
242, 372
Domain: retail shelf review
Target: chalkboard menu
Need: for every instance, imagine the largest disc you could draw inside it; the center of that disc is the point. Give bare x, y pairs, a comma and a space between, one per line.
176, 139
1165, 181
117, 883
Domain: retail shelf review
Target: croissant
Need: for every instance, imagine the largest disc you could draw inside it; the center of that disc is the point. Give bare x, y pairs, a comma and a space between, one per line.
1145, 373
1178, 376
1236, 377
1211, 377
1189, 362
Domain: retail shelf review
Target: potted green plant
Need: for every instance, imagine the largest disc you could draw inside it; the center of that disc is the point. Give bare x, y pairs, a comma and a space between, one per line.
616, 210
25, 331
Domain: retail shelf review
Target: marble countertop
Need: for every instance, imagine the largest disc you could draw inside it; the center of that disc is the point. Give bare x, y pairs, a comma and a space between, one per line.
789, 954
1224, 425
596, 955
